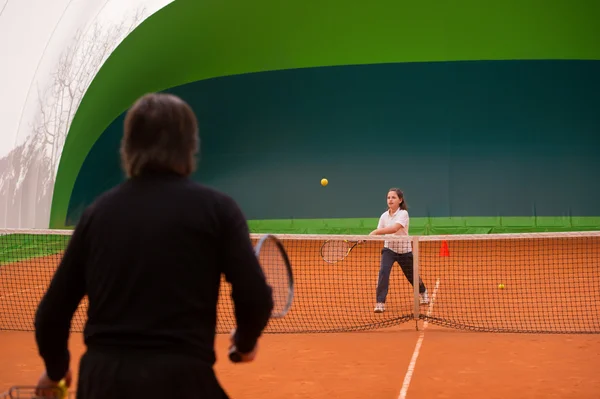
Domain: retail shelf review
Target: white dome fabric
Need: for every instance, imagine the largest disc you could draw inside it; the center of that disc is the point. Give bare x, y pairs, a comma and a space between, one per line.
49, 53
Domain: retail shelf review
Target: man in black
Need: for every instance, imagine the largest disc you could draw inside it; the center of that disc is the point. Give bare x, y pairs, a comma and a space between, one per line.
150, 254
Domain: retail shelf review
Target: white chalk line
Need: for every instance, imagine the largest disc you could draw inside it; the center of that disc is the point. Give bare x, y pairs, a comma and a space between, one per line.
415, 355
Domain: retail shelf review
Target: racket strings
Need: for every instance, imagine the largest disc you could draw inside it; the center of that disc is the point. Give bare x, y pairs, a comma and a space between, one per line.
276, 273
333, 251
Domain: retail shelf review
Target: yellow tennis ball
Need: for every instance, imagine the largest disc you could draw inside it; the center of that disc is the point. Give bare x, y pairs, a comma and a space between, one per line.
62, 386
324, 182
501, 286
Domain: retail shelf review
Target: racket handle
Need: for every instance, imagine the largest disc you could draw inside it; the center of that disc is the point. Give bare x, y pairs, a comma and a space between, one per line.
234, 355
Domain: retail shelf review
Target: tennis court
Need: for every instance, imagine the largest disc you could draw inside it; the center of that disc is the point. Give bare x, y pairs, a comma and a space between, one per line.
536, 337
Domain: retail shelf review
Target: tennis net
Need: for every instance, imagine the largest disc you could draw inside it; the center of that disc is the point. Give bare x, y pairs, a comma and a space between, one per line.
537, 282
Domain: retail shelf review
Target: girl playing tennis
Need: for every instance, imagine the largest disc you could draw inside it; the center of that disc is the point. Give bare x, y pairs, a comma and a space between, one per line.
395, 222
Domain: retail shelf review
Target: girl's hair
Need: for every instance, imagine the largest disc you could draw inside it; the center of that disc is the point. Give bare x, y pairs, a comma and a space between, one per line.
401, 196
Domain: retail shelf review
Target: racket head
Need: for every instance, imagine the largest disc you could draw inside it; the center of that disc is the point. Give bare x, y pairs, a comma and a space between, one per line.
333, 251
26, 391
276, 267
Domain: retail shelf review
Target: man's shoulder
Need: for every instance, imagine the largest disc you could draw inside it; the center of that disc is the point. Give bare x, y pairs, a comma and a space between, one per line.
105, 197
205, 191
205, 196
213, 200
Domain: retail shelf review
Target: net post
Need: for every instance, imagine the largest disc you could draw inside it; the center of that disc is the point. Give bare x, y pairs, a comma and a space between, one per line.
416, 275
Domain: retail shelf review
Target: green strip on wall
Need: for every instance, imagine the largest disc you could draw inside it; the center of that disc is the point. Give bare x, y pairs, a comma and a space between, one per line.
430, 226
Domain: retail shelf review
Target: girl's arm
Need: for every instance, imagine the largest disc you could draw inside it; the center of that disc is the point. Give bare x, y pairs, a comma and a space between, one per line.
387, 230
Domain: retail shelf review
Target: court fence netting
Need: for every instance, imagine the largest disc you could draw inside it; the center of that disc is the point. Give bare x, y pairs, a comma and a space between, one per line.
521, 283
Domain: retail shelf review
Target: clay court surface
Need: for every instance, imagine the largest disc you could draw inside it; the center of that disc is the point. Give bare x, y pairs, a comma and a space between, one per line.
374, 364
398, 361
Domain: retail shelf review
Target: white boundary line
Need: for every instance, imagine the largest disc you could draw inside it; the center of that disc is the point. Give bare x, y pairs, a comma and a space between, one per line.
415, 355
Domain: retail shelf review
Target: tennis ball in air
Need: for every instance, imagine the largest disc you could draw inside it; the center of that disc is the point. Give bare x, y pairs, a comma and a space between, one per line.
501, 286
324, 182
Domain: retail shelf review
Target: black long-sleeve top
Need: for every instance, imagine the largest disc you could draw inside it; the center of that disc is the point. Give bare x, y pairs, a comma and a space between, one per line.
150, 254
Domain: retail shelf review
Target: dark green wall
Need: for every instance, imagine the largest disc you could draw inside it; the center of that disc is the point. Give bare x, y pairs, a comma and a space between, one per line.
478, 138
190, 41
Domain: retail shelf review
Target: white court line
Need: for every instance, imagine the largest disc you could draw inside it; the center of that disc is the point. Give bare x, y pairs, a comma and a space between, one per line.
413, 360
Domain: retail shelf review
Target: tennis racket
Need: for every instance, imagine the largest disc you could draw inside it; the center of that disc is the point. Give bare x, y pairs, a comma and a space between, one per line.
333, 251
277, 269
32, 392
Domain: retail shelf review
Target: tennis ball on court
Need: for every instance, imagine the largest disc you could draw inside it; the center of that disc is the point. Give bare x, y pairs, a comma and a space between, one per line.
324, 182
501, 286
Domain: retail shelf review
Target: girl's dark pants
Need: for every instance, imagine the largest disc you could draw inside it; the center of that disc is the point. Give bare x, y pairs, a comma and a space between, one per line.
388, 257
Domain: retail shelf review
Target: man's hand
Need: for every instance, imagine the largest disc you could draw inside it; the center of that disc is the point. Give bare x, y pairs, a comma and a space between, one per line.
51, 389
245, 357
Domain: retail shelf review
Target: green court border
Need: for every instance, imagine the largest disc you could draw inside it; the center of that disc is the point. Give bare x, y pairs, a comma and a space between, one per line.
430, 226
359, 226
313, 34
19, 247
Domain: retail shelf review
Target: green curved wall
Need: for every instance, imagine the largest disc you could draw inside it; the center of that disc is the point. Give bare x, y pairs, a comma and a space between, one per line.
201, 50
